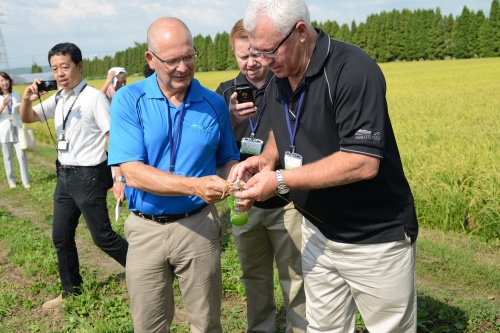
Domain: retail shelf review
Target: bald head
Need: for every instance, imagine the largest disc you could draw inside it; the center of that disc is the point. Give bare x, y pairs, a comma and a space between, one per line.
170, 31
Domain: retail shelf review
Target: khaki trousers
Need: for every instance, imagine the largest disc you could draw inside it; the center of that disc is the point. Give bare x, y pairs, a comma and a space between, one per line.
188, 249
272, 235
378, 279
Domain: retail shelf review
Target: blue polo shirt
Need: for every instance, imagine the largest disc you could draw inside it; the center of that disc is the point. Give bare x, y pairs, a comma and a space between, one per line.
140, 116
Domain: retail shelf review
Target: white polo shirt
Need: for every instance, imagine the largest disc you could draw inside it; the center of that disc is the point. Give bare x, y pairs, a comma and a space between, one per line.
86, 125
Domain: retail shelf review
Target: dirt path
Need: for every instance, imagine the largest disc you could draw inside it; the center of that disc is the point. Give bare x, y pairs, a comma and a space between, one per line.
89, 254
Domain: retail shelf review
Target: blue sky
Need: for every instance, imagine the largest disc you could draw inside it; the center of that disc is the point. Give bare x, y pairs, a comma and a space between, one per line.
103, 27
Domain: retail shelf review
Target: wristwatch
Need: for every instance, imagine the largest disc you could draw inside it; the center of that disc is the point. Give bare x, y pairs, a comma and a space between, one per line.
120, 179
282, 188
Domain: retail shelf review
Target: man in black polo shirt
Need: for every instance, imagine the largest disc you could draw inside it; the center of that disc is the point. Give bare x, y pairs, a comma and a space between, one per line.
331, 130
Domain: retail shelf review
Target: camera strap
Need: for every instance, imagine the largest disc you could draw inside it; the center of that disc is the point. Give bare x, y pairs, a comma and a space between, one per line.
58, 96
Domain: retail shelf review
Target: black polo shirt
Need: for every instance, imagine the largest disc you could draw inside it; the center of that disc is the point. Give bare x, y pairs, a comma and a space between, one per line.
345, 109
243, 129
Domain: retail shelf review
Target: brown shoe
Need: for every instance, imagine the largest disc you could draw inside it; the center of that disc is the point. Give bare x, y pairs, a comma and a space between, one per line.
53, 303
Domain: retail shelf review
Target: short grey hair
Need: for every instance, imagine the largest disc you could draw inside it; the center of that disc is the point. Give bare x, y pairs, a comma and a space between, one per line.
283, 14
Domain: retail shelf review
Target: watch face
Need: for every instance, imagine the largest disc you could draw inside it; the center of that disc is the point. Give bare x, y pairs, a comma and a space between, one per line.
283, 190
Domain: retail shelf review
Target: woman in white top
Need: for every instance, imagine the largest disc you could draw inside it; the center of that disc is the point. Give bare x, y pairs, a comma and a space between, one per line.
9, 124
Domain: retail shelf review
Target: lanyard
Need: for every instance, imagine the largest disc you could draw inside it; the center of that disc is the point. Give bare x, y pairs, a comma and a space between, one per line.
9, 105
299, 108
65, 119
171, 140
252, 127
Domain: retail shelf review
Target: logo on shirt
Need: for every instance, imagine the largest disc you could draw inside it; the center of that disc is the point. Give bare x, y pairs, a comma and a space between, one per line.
362, 134
198, 129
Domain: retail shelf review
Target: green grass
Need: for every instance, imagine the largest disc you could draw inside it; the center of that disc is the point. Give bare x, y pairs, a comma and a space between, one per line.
445, 115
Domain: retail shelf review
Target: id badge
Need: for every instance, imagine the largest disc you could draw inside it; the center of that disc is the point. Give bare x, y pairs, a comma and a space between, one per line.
251, 146
292, 160
62, 145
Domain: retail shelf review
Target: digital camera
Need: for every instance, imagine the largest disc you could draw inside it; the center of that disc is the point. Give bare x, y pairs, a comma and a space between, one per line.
47, 85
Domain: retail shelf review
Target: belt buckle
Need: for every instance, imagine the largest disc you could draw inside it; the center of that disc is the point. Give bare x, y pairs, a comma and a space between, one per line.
68, 168
162, 219
156, 219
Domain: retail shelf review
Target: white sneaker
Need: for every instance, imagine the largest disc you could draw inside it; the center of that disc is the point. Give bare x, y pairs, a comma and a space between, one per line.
12, 185
27, 186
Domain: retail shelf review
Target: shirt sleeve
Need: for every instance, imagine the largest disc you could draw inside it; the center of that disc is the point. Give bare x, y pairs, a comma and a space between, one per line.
101, 111
361, 108
126, 137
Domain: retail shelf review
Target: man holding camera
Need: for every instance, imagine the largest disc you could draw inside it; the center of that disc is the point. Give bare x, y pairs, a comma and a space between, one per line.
82, 120
273, 230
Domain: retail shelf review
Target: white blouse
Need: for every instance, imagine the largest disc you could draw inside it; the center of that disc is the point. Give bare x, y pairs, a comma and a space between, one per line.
10, 120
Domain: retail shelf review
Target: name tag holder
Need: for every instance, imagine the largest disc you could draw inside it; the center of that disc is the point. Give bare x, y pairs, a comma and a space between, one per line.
62, 143
292, 160
251, 146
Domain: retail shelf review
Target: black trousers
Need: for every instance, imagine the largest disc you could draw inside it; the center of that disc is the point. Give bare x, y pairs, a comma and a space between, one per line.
82, 190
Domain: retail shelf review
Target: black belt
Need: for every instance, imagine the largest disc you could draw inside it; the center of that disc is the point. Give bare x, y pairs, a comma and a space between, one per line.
168, 218
68, 168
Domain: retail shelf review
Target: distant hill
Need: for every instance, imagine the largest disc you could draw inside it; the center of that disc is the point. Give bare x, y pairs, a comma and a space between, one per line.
27, 70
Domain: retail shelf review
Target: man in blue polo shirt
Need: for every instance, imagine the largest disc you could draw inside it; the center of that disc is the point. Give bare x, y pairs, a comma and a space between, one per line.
173, 139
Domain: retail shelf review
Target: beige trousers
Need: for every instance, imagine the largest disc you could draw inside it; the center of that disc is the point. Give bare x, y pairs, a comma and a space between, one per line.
377, 279
189, 250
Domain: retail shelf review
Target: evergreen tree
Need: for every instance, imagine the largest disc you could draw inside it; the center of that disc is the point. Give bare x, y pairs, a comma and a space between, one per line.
473, 39
354, 31
449, 36
359, 37
405, 35
437, 38
486, 47
344, 34
35, 68
461, 38
495, 27
201, 46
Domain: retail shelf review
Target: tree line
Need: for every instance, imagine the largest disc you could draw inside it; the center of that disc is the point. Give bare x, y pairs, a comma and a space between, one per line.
388, 36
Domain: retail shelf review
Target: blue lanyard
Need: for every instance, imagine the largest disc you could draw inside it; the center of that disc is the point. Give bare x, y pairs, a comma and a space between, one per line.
171, 140
299, 108
252, 127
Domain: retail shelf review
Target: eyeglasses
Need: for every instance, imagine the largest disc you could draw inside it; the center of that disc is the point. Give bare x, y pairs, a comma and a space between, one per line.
272, 54
173, 63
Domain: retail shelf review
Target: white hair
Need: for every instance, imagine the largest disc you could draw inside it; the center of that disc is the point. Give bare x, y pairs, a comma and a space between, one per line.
283, 14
